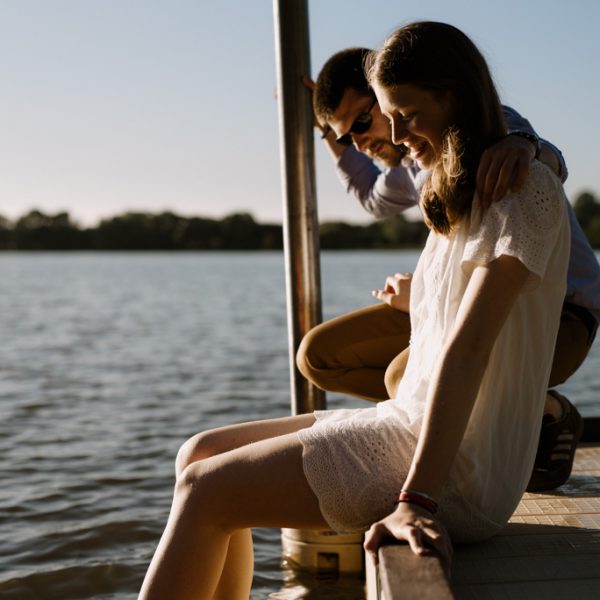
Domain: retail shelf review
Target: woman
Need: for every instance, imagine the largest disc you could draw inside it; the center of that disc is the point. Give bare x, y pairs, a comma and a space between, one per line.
461, 434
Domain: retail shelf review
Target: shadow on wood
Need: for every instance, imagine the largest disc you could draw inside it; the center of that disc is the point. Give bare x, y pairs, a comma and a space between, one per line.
403, 574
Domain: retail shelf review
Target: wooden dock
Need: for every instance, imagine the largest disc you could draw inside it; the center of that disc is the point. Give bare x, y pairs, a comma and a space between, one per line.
549, 550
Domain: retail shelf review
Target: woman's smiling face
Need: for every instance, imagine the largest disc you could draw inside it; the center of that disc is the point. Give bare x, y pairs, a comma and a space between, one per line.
419, 118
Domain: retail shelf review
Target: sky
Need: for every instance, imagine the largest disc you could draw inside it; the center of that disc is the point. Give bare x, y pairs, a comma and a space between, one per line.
150, 105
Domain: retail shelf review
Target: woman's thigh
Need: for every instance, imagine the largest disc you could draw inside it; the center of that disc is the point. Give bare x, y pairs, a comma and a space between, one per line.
259, 484
223, 439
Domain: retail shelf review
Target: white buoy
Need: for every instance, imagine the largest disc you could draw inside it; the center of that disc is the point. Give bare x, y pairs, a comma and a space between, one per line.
323, 550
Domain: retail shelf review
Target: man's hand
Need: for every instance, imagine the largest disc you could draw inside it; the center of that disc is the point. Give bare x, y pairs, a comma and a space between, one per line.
310, 86
415, 525
503, 168
396, 292
309, 83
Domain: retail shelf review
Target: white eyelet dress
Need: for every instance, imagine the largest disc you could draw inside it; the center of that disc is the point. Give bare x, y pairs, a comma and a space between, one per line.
357, 460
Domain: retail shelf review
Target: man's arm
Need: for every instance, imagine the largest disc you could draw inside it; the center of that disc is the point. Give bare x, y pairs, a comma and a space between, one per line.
382, 193
549, 153
504, 166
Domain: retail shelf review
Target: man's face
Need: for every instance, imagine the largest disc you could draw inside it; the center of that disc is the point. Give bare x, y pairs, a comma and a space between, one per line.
376, 142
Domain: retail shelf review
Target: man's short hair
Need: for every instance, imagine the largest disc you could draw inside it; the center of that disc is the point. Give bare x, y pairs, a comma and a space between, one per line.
342, 71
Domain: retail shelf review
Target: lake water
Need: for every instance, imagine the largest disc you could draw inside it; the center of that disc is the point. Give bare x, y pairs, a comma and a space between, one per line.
108, 362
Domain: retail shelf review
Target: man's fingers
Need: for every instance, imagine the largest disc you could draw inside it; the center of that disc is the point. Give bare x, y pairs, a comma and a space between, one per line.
308, 82
484, 165
504, 180
491, 178
519, 175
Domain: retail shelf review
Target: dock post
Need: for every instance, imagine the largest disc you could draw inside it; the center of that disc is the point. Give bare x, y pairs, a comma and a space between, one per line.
300, 226
313, 550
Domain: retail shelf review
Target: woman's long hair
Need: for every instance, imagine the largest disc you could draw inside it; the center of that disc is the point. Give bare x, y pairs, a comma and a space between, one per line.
440, 58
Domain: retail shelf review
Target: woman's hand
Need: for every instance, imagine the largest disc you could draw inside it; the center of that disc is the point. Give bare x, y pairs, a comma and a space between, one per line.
415, 525
396, 292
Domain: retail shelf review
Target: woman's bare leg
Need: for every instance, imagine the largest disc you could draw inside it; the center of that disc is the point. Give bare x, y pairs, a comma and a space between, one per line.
236, 578
205, 551
223, 439
238, 571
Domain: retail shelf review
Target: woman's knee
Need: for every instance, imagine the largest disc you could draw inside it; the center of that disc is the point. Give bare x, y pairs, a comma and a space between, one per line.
203, 491
193, 489
200, 446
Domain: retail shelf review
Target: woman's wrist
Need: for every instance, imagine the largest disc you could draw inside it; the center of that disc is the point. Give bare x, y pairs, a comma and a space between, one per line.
419, 499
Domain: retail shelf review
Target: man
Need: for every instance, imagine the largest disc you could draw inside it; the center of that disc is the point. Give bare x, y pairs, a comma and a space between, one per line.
364, 352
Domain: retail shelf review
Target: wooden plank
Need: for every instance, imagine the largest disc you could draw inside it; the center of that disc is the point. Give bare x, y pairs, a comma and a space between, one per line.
402, 574
578, 589
533, 568
552, 541
550, 550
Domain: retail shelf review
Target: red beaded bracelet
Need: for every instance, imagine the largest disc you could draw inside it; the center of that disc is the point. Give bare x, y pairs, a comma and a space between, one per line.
420, 499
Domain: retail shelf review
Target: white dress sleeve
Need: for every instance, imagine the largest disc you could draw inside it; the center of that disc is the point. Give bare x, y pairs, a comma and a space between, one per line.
523, 225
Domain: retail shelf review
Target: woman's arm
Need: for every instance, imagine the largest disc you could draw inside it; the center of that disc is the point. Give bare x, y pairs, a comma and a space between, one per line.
490, 294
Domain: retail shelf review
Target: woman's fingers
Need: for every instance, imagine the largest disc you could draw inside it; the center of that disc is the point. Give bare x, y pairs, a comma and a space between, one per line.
381, 295
440, 542
373, 538
423, 534
392, 284
390, 298
396, 301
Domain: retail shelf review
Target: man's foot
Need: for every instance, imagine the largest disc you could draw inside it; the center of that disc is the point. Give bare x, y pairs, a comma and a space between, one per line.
556, 449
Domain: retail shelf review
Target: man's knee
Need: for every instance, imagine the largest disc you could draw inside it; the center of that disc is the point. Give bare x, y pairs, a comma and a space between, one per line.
395, 372
308, 357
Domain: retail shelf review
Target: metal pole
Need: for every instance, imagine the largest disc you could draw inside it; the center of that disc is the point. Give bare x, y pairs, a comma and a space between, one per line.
314, 550
301, 230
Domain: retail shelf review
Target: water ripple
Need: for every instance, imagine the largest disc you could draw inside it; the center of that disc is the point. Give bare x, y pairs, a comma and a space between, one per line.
108, 363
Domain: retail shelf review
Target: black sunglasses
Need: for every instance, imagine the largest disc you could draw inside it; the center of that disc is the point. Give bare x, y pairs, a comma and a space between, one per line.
361, 124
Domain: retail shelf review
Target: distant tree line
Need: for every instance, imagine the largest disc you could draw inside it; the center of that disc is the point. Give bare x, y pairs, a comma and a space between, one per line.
587, 210
168, 231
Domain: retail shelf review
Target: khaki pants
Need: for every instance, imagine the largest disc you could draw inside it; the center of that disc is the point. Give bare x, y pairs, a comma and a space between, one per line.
363, 353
